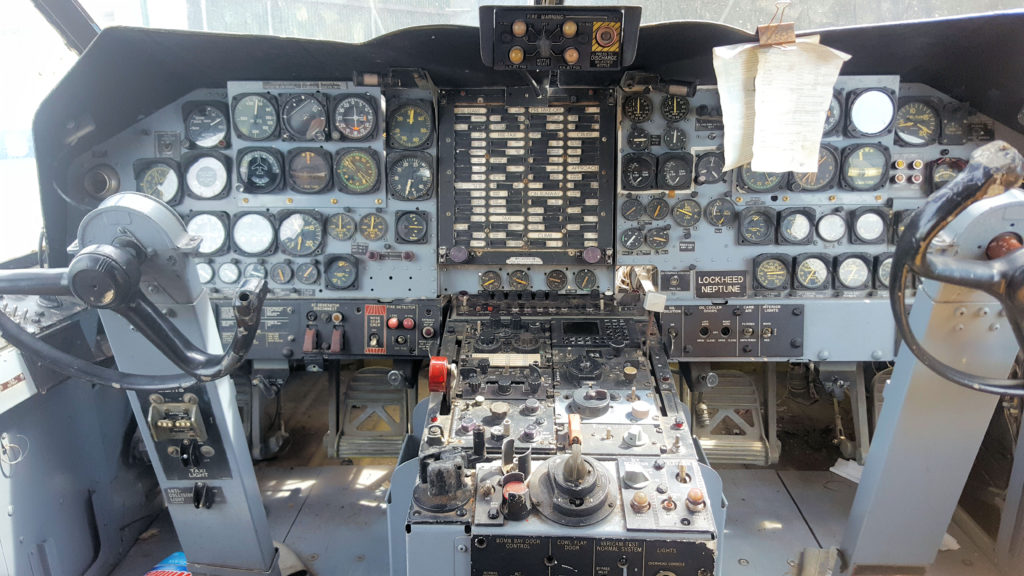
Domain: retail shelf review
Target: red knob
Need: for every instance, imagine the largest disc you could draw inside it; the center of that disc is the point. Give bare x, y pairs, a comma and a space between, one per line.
437, 375
409, 323
393, 323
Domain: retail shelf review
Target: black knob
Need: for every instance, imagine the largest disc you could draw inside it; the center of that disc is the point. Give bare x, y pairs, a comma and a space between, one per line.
190, 455
202, 495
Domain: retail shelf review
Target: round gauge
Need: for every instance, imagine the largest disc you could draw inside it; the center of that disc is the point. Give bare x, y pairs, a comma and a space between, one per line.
255, 117
756, 227
253, 234
205, 272
632, 209
917, 124
812, 273
373, 227
300, 234
206, 177
795, 228
674, 108
212, 231
585, 279
710, 168
831, 227
228, 273
835, 111
637, 107
884, 272
828, 167
865, 167
871, 112
490, 280
638, 139
657, 238
686, 213
556, 280
411, 178
676, 172
409, 126
772, 274
341, 274
259, 170
307, 273
304, 117
853, 273
160, 181
519, 280
256, 270
309, 170
638, 172
720, 212
341, 226
357, 171
673, 138
355, 117
411, 227
281, 273
759, 181
869, 227
657, 209
206, 126
632, 238
944, 170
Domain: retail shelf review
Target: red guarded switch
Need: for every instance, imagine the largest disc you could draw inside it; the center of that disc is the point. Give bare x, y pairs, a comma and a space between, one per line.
437, 375
409, 323
393, 323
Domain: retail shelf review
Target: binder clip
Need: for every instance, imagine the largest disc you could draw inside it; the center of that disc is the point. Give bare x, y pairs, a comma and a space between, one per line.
777, 33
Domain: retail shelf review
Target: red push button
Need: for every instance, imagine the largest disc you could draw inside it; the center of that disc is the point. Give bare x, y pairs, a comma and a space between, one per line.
393, 323
409, 323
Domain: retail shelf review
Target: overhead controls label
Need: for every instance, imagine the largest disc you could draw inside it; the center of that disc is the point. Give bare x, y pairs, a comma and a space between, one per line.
725, 284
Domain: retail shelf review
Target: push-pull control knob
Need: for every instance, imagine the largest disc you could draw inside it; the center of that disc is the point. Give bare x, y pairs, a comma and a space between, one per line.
515, 496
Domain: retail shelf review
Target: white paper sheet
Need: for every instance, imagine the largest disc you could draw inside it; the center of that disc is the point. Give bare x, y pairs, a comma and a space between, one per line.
735, 69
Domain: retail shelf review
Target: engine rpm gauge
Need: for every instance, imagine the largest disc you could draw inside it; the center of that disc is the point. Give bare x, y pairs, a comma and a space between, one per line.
637, 108
259, 169
355, 117
828, 169
411, 177
756, 227
254, 116
409, 127
753, 181
720, 212
253, 234
865, 166
710, 168
309, 170
812, 273
206, 176
519, 280
341, 273
686, 213
917, 124
341, 226
632, 209
772, 274
373, 227
657, 209
300, 234
160, 181
206, 126
674, 108
304, 118
357, 171
556, 280
853, 273
211, 230
585, 279
490, 280
411, 228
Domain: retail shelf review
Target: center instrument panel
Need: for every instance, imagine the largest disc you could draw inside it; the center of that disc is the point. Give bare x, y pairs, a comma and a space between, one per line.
387, 190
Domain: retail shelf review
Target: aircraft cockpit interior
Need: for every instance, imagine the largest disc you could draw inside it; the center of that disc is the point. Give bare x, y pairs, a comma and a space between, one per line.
445, 288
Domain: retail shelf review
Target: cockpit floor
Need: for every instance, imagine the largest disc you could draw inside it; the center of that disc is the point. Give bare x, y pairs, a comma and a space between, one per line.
334, 518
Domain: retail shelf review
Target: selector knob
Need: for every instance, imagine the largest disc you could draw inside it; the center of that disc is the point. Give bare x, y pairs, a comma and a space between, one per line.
515, 496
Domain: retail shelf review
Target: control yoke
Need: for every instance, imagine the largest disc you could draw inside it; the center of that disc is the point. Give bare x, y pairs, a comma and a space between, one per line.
993, 168
107, 276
